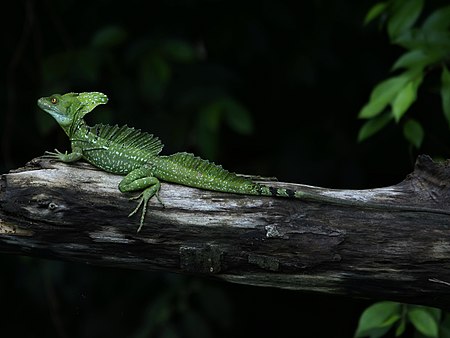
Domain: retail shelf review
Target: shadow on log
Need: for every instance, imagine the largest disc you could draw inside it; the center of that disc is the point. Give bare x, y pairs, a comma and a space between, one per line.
75, 212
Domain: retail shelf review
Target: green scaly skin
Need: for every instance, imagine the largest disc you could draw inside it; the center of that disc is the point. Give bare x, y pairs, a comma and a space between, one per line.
135, 154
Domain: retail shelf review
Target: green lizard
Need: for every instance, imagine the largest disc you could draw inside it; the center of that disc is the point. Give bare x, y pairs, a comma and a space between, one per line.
135, 154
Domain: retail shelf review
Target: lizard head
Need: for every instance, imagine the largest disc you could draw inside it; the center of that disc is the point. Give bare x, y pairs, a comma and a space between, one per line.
69, 108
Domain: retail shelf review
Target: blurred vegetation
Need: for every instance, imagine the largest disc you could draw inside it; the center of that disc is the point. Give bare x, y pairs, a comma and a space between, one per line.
263, 87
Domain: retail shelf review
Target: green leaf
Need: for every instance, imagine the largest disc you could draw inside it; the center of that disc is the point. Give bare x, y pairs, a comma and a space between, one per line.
179, 51
375, 11
400, 328
413, 132
374, 333
208, 123
423, 321
211, 115
435, 312
373, 126
380, 315
238, 118
154, 76
439, 20
109, 36
416, 58
445, 93
382, 95
405, 97
87, 65
405, 14
438, 41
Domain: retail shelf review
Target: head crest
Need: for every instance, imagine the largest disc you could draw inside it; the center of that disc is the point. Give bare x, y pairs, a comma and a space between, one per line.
90, 100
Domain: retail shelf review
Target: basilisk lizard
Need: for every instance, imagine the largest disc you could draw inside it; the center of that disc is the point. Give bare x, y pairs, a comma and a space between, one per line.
135, 154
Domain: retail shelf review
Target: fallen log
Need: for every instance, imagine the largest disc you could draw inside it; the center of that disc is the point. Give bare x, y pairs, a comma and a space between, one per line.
75, 212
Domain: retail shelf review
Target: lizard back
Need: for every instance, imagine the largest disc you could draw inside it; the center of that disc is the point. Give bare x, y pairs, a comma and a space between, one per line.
187, 169
116, 149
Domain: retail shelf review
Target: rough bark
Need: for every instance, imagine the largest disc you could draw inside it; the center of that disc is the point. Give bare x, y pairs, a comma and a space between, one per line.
75, 212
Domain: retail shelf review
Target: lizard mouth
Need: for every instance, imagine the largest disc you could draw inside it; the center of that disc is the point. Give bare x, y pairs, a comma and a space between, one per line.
44, 104
53, 111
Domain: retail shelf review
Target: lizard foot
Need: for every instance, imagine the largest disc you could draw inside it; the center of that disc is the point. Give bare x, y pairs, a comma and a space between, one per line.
63, 157
55, 155
143, 198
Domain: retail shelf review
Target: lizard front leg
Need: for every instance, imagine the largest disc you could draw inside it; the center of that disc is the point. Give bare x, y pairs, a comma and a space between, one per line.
75, 155
141, 179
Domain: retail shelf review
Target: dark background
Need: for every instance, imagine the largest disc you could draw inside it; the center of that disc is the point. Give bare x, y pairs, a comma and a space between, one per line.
263, 87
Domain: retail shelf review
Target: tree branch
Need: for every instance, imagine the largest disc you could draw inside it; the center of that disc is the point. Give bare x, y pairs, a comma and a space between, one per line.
75, 212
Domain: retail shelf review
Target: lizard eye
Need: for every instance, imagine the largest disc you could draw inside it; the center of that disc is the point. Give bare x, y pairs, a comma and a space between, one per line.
54, 100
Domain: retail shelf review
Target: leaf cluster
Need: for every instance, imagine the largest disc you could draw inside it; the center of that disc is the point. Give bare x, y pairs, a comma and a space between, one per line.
382, 317
427, 49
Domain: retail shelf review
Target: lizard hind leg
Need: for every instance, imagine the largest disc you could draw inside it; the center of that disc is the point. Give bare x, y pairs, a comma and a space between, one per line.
144, 197
141, 179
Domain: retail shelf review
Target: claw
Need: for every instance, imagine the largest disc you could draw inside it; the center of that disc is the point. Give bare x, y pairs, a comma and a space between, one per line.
144, 210
159, 200
144, 197
142, 202
54, 155
139, 204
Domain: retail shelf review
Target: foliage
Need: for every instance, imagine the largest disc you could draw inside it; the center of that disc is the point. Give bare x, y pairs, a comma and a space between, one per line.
158, 66
427, 51
168, 304
382, 317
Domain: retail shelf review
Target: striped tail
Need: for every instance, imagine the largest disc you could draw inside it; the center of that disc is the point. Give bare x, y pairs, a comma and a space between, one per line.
265, 190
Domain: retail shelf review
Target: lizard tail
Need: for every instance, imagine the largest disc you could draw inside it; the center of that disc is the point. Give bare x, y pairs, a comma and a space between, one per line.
265, 190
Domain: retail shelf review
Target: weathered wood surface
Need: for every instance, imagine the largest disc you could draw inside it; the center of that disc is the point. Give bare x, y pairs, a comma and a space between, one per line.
75, 212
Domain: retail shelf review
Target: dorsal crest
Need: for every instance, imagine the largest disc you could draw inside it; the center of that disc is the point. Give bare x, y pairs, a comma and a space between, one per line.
129, 138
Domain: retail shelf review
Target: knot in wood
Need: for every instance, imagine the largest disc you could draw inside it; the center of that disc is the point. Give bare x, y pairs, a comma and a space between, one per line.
201, 258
